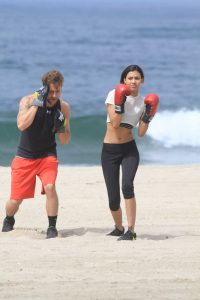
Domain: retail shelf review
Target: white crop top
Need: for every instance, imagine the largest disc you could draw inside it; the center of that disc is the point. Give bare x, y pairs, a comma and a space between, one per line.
133, 108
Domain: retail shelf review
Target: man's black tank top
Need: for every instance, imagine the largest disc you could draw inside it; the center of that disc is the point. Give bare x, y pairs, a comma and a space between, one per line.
38, 140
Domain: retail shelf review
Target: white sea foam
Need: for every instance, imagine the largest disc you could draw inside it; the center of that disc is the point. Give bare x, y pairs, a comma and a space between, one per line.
179, 128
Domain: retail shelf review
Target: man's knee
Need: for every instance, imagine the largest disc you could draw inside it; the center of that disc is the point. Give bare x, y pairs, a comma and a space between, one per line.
49, 188
14, 202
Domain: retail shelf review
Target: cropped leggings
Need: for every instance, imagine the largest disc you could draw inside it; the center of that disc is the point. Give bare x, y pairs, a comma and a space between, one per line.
114, 155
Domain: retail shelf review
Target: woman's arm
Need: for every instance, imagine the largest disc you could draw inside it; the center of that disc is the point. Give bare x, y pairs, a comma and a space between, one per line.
115, 118
151, 105
142, 128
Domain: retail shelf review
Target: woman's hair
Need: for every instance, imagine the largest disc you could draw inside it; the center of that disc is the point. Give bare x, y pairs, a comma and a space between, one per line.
53, 76
131, 68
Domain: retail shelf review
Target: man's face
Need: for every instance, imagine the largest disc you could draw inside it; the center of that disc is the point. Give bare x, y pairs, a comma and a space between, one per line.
54, 94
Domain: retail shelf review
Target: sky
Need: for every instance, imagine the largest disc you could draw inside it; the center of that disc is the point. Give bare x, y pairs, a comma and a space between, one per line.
176, 7
179, 3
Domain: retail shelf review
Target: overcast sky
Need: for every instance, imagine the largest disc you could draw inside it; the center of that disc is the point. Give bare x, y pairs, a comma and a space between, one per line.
188, 3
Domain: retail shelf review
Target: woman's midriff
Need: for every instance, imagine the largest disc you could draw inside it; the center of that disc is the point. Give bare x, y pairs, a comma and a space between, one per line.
118, 135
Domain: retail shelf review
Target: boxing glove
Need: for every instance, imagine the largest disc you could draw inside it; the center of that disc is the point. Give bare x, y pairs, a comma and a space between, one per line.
121, 91
151, 102
60, 122
40, 96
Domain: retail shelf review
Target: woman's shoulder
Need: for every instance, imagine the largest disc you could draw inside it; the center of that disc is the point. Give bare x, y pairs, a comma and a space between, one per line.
110, 96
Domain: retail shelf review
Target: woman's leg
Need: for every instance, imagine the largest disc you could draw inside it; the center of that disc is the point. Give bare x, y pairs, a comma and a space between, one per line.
129, 168
111, 167
130, 205
117, 217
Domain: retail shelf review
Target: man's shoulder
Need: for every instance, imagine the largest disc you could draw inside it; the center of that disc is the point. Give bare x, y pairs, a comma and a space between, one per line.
64, 103
65, 107
26, 99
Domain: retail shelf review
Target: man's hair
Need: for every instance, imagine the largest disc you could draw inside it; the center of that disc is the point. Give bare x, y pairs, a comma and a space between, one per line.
53, 76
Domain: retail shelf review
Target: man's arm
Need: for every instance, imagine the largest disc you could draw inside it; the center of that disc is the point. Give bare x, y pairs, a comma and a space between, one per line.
26, 112
29, 105
65, 135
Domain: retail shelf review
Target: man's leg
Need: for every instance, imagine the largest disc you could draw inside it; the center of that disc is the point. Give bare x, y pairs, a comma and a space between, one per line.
47, 173
51, 209
22, 187
12, 207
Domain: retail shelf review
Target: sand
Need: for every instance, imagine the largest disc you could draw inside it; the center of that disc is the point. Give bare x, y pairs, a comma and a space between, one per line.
82, 262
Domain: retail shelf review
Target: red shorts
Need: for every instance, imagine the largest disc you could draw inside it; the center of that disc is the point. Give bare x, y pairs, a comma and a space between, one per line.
24, 172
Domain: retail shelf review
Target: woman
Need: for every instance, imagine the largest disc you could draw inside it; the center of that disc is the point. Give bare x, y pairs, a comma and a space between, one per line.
125, 110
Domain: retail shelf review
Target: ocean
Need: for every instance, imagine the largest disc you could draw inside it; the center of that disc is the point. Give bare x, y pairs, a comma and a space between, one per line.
91, 42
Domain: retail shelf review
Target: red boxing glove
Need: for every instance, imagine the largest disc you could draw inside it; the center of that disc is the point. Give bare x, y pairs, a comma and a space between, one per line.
121, 91
151, 101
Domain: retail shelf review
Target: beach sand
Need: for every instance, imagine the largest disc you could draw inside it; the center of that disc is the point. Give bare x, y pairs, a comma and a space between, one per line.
83, 263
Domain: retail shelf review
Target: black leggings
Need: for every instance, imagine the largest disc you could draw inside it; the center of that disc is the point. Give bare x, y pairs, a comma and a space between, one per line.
114, 155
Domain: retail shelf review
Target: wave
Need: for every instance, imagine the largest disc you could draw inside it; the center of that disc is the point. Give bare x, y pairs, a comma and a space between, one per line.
179, 128
84, 147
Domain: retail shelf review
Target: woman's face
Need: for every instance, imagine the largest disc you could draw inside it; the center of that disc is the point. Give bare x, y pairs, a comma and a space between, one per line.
133, 80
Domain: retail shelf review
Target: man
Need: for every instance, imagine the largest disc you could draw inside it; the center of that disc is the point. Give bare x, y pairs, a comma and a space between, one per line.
41, 116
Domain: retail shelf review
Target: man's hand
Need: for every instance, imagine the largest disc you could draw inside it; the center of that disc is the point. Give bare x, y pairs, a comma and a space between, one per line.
60, 122
40, 96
